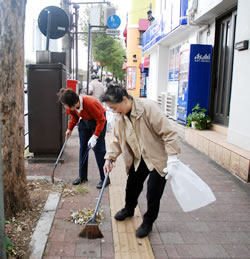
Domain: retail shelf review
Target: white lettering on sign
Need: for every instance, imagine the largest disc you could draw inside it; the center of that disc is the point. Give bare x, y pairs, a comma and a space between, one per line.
202, 58
112, 32
61, 28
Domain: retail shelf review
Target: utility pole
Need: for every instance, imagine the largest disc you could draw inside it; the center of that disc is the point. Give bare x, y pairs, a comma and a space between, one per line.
89, 33
76, 7
2, 229
66, 40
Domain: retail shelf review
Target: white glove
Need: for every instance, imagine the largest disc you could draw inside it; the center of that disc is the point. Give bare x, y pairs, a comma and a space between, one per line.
92, 141
171, 163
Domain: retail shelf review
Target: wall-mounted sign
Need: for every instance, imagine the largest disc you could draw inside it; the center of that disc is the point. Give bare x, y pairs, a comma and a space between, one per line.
131, 78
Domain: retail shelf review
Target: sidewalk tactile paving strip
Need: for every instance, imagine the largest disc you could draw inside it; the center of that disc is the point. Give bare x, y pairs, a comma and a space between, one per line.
126, 245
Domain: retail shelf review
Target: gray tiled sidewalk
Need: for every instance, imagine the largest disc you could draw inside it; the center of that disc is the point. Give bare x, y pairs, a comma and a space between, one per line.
220, 230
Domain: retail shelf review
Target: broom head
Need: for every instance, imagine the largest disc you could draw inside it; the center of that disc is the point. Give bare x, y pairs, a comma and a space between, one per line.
91, 230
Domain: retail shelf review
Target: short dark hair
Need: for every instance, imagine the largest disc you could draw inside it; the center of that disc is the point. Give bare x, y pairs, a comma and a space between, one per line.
93, 77
108, 80
115, 94
68, 96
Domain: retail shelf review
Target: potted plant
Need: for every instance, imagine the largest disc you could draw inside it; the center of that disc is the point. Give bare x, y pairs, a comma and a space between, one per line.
199, 119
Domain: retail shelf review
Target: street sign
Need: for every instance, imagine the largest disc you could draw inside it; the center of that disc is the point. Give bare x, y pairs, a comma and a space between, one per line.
113, 32
113, 21
59, 22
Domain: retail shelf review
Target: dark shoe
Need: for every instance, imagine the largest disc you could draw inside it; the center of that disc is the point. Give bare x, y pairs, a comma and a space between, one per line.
123, 214
99, 185
78, 181
143, 230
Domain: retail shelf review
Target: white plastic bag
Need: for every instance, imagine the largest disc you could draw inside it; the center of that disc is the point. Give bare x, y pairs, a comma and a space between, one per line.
189, 189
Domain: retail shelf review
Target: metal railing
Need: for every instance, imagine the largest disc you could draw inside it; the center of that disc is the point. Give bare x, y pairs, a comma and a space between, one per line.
26, 112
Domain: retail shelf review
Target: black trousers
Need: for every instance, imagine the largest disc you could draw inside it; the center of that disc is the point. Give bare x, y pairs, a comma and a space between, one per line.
86, 130
155, 188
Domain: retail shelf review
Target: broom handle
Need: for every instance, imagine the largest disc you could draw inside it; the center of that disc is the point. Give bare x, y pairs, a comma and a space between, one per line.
61, 150
59, 156
100, 195
85, 155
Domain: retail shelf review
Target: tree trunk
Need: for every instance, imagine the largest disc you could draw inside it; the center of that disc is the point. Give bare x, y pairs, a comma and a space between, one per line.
2, 230
12, 17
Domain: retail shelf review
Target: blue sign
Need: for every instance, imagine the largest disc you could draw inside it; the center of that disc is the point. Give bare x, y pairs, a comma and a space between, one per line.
113, 21
167, 22
153, 34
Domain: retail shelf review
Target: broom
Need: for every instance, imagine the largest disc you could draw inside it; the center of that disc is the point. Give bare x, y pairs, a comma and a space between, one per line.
83, 160
91, 229
59, 156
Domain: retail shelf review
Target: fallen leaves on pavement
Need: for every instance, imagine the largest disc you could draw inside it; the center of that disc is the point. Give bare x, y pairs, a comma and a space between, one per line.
72, 190
82, 216
19, 229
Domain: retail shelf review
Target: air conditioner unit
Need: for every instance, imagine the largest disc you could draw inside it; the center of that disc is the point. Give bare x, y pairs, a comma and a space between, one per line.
162, 101
159, 100
171, 105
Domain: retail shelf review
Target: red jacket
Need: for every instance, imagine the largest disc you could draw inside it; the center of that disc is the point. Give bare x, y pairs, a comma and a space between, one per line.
92, 109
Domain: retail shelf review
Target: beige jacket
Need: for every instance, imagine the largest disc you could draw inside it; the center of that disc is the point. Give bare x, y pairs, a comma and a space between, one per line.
96, 89
154, 137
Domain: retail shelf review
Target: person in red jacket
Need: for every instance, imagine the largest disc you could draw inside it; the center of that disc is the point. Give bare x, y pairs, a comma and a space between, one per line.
89, 114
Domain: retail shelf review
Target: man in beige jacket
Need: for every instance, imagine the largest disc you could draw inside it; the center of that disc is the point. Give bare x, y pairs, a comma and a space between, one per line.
96, 88
142, 134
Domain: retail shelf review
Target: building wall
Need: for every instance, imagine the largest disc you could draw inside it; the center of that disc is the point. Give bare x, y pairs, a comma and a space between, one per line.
209, 9
153, 77
239, 119
226, 146
158, 72
132, 49
162, 68
207, 36
159, 82
239, 122
138, 10
161, 6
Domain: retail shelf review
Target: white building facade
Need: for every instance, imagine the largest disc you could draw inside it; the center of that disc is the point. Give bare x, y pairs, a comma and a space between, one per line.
223, 24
